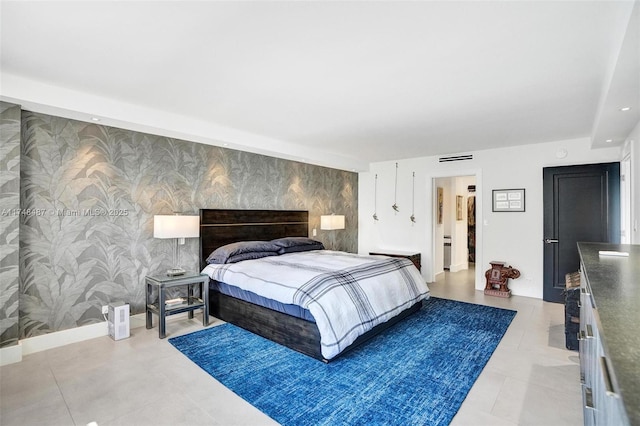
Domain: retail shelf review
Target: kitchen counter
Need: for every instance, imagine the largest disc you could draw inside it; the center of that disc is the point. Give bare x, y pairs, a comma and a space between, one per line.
615, 286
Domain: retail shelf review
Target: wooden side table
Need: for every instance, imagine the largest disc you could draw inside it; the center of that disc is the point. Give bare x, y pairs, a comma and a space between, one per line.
161, 283
412, 256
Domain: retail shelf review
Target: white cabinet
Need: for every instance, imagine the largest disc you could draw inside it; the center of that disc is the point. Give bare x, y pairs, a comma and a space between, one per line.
602, 402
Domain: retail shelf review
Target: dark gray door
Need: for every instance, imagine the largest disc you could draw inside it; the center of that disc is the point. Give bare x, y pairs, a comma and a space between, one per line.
581, 203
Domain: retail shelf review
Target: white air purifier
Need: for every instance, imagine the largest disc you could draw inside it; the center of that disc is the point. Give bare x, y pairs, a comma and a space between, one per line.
118, 320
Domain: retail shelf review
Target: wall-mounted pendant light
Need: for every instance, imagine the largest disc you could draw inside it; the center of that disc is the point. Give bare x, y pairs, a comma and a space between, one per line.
395, 195
413, 199
375, 198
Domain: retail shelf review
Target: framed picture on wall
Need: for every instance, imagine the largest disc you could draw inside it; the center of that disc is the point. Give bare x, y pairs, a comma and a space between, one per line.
508, 200
459, 199
440, 205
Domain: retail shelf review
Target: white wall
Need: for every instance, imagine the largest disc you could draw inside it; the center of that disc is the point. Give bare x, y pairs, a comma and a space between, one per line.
515, 238
633, 146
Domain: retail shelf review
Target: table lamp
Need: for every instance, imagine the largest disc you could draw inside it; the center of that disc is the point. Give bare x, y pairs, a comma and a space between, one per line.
178, 227
331, 223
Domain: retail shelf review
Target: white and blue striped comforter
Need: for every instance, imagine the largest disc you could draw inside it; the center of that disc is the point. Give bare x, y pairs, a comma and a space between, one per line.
347, 294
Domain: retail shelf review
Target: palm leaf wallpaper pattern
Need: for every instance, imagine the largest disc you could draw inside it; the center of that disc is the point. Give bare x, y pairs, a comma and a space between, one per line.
9, 222
100, 188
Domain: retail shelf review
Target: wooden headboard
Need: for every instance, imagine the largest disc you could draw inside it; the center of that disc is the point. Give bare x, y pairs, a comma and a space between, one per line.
223, 226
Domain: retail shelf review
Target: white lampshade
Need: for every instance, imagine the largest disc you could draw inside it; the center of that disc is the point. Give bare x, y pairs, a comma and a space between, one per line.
331, 222
176, 226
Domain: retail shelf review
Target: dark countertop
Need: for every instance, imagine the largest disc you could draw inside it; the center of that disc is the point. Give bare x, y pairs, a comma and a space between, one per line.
615, 286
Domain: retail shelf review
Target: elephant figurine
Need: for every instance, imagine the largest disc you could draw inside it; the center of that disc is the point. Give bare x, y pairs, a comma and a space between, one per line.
498, 275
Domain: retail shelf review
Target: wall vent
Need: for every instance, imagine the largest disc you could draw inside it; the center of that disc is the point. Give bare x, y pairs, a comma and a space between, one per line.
455, 158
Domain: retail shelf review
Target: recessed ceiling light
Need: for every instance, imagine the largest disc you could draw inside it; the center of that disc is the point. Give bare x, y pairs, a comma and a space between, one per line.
609, 140
561, 153
625, 109
95, 119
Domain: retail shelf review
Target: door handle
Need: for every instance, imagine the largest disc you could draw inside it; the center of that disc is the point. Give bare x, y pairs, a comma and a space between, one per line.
550, 241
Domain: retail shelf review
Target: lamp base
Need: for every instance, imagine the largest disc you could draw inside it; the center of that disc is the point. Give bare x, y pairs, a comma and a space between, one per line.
175, 272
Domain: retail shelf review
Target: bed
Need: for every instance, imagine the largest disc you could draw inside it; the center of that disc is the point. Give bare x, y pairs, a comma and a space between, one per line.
296, 330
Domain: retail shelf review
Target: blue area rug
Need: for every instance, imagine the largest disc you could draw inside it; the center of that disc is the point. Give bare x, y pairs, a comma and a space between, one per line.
415, 373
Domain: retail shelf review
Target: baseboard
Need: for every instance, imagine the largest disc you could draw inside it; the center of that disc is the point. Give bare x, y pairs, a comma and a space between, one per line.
65, 337
12, 354
459, 267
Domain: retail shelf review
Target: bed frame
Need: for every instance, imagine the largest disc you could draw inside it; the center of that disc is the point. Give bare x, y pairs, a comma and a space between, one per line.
220, 227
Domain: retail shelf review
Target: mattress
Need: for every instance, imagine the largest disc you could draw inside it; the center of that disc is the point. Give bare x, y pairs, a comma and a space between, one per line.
248, 296
347, 294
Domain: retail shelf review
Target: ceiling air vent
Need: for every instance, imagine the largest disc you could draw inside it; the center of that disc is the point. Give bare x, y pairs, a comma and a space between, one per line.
455, 158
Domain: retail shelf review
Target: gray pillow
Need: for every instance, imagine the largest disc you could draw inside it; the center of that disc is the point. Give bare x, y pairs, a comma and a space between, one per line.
249, 256
297, 249
295, 242
224, 253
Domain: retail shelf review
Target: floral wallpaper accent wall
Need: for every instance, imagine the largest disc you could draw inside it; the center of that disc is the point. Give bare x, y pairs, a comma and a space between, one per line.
93, 190
9, 221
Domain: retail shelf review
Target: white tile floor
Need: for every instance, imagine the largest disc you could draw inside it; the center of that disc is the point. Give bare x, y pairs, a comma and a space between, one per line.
530, 380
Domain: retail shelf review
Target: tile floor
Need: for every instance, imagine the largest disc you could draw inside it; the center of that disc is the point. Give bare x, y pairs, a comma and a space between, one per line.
530, 380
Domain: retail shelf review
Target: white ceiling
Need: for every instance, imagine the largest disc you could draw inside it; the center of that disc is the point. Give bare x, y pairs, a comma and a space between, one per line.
336, 83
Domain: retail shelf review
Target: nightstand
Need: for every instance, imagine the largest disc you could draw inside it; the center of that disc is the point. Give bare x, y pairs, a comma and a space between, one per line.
188, 303
412, 256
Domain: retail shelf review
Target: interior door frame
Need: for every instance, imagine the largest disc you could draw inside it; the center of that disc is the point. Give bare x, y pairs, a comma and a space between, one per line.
626, 200
550, 225
479, 274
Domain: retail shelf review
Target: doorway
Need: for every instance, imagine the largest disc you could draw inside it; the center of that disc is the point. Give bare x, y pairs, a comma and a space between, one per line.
581, 203
454, 225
